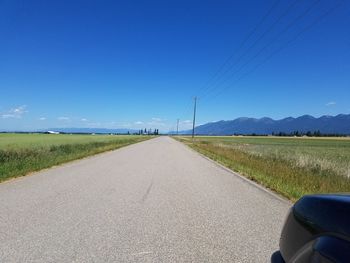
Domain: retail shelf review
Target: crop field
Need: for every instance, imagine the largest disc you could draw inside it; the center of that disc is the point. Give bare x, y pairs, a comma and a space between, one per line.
290, 166
24, 153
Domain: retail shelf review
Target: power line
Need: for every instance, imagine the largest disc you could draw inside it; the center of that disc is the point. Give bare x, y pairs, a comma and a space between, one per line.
226, 62
177, 127
267, 31
244, 41
194, 116
328, 12
305, 29
189, 108
291, 24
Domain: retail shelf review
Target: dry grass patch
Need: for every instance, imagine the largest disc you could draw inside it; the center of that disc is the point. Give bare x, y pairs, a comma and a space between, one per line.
291, 167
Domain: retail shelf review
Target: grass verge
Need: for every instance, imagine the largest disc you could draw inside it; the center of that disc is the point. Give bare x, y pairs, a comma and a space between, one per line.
19, 159
273, 171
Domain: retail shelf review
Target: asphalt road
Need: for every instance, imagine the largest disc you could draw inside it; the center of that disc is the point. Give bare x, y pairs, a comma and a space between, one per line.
155, 201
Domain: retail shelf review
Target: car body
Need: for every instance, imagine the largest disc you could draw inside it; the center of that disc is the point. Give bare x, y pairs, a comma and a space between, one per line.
317, 229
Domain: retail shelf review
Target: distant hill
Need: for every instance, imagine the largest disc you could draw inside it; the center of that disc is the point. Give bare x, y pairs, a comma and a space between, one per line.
339, 124
90, 130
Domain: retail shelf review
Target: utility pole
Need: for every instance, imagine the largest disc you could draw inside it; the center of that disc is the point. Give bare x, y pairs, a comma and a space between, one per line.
194, 116
177, 127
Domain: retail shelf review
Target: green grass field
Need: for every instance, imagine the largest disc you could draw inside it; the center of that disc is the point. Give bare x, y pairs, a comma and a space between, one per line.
290, 166
21, 154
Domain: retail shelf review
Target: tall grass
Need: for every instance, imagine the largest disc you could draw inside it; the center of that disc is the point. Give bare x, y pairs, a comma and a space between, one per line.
24, 153
291, 167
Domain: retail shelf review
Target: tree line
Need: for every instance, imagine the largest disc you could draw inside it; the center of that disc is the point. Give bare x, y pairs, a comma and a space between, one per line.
317, 133
148, 132
295, 134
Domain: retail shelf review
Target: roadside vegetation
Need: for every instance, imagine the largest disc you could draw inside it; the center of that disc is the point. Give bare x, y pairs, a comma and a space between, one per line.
292, 167
21, 154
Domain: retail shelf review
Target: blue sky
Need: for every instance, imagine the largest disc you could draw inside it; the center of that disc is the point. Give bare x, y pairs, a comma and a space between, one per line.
138, 64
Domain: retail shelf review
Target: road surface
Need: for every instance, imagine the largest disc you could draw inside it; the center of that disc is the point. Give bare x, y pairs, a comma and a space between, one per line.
155, 201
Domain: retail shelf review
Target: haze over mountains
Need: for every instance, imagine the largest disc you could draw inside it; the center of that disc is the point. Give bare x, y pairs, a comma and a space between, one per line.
339, 124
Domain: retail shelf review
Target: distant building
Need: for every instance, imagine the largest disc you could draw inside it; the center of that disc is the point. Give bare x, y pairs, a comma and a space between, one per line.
52, 132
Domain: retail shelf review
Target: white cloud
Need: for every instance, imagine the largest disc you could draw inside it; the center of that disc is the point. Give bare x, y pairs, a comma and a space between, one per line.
331, 103
42, 119
187, 122
156, 124
156, 119
63, 118
15, 112
138, 122
83, 119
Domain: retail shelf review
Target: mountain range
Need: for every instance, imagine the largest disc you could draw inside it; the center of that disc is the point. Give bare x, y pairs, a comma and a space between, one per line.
339, 124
